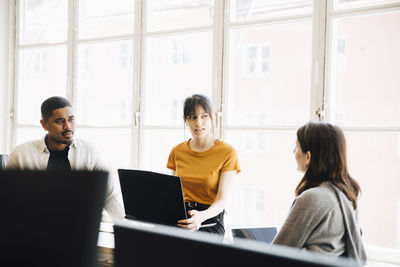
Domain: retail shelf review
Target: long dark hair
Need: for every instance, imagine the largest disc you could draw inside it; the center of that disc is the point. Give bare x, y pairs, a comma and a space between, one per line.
328, 162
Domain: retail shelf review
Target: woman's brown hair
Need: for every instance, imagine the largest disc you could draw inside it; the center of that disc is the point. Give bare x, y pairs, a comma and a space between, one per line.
191, 103
328, 162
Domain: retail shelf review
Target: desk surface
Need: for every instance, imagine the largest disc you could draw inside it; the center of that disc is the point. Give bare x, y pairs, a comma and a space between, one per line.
105, 245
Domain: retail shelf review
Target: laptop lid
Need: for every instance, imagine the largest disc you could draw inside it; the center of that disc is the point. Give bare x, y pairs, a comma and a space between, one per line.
261, 234
152, 197
50, 218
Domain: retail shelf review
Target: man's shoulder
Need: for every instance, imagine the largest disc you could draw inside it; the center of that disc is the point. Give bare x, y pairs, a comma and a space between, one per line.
35, 144
83, 144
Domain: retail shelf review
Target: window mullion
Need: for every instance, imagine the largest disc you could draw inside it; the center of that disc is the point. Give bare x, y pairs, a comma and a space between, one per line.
222, 8
71, 50
14, 50
140, 27
318, 60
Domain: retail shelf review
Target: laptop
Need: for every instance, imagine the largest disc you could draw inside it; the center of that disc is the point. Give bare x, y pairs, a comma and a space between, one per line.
50, 218
261, 234
152, 197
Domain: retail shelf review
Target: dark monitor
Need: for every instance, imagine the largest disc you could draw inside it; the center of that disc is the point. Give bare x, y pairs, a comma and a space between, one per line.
138, 245
50, 218
261, 234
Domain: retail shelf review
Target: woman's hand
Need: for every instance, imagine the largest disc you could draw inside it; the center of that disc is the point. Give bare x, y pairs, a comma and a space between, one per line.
193, 223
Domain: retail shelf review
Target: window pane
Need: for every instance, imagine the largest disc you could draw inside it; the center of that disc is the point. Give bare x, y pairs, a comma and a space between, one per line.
43, 21
265, 189
244, 10
156, 146
100, 18
176, 67
26, 134
344, 4
42, 73
374, 161
113, 145
166, 15
365, 78
105, 81
271, 87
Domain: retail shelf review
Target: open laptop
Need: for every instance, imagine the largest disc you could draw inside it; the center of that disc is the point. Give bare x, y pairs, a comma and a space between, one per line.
152, 197
50, 218
260, 234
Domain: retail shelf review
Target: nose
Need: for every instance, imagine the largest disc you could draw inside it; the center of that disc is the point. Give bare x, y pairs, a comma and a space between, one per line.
198, 121
67, 125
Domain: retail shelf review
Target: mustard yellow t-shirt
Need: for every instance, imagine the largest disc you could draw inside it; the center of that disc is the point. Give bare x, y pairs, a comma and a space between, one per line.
200, 171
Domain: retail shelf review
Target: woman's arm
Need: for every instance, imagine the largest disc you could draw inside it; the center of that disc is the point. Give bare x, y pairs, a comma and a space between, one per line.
225, 186
308, 211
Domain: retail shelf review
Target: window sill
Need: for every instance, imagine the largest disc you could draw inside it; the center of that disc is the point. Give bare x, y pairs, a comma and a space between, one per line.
378, 256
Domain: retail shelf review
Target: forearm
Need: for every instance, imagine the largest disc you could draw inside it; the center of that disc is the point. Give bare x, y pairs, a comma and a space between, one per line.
216, 208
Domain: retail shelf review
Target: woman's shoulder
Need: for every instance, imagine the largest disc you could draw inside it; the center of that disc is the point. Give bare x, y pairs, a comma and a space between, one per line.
322, 196
181, 146
225, 146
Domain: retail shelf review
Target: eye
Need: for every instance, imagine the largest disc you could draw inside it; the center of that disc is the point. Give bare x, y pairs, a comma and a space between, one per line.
191, 117
204, 116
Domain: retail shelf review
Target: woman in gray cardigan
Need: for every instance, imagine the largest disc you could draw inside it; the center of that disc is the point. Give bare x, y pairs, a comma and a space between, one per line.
323, 216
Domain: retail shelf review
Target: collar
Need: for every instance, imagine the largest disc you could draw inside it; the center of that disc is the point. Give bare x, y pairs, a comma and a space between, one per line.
43, 147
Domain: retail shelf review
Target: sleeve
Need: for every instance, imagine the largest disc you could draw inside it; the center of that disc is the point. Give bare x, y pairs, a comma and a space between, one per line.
304, 216
113, 202
12, 162
113, 206
171, 164
231, 163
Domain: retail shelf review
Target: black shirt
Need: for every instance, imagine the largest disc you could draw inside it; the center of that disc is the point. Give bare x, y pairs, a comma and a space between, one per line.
58, 160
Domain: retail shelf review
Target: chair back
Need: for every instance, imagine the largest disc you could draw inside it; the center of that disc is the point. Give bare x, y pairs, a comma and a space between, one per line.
3, 161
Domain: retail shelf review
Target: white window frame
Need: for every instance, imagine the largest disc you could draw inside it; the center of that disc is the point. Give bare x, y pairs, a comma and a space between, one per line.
322, 100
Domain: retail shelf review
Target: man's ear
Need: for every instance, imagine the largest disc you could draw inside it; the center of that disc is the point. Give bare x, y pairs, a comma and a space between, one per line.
44, 124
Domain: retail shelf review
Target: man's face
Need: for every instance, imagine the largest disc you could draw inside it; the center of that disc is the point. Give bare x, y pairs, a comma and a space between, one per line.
60, 126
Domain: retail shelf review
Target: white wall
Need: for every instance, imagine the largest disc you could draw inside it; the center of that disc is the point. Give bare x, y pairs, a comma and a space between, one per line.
5, 42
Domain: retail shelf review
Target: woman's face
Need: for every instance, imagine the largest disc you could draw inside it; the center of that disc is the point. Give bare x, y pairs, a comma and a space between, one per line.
302, 159
200, 124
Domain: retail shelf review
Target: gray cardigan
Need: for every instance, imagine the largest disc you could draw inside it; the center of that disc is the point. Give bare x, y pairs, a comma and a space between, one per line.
322, 219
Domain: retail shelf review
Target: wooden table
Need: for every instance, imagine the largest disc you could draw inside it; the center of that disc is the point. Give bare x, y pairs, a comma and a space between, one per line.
105, 249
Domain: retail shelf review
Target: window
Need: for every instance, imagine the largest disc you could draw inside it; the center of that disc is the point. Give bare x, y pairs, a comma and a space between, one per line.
127, 67
363, 99
256, 60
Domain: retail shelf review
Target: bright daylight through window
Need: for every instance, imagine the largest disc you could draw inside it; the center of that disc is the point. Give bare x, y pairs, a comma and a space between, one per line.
268, 66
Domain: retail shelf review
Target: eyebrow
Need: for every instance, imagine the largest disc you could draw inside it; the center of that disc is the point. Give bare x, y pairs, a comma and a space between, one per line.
60, 118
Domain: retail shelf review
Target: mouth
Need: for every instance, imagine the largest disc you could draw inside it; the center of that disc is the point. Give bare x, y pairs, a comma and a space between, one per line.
68, 134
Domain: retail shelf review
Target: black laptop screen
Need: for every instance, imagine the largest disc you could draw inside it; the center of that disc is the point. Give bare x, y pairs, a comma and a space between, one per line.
152, 197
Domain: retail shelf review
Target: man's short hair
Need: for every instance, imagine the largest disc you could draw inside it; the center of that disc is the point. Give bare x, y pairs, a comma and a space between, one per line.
51, 104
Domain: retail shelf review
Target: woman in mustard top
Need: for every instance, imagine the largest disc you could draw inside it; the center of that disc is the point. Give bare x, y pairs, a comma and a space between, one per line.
207, 167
